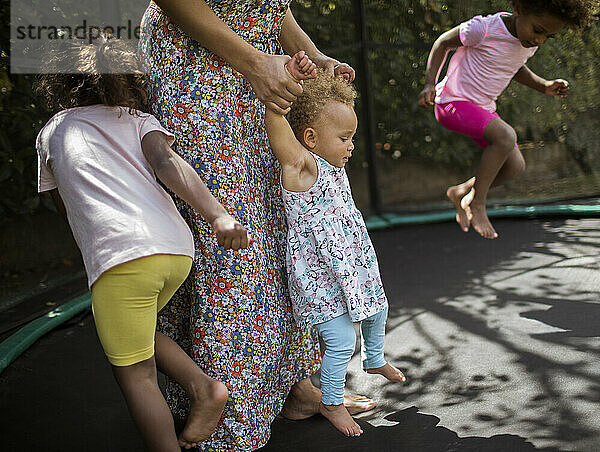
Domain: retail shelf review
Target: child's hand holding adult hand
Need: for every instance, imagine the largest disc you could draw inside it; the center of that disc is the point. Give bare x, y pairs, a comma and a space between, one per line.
230, 233
427, 96
558, 87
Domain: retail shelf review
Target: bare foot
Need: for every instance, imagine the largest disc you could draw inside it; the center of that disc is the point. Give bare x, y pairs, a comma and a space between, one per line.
481, 222
389, 372
340, 418
300, 67
456, 193
358, 404
206, 407
303, 401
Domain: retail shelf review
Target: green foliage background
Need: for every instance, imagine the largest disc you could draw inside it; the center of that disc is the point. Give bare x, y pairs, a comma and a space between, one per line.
401, 33
403, 129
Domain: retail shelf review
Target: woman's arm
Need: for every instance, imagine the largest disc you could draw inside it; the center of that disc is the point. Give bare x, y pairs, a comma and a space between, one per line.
293, 39
449, 40
183, 180
527, 77
265, 72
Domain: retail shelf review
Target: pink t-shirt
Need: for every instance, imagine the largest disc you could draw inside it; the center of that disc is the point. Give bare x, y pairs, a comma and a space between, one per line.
117, 210
485, 64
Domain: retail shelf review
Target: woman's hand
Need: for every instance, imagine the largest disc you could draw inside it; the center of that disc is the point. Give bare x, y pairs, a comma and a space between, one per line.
334, 67
293, 39
230, 233
273, 85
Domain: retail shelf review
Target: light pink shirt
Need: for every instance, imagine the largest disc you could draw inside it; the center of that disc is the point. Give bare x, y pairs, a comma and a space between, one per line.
485, 64
117, 210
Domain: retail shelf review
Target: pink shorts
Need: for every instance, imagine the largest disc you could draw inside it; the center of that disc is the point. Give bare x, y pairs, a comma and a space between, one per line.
465, 118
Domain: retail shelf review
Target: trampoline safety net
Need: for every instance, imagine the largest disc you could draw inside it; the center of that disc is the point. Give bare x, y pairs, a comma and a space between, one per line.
414, 158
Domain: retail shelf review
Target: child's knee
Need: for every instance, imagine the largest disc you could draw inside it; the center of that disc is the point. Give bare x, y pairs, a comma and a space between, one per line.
343, 342
142, 372
508, 139
504, 137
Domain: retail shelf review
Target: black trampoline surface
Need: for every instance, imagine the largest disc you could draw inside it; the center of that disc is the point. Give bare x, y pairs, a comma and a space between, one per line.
499, 341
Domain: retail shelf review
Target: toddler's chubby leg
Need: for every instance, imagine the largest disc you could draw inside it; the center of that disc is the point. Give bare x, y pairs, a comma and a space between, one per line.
207, 395
301, 67
340, 339
373, 339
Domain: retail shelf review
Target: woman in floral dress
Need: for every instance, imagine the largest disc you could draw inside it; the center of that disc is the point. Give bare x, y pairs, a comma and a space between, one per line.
213, 66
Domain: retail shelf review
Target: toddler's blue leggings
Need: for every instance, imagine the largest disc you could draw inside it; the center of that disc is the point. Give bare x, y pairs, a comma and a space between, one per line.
340, 339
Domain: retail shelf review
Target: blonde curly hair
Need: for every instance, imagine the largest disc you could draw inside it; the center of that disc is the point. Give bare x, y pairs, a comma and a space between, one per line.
317, 93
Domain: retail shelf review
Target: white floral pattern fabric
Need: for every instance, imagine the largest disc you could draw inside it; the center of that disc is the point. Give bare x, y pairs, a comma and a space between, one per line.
331, 262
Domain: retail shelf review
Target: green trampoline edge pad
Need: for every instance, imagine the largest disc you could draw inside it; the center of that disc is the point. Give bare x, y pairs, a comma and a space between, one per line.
384, 221
20, 341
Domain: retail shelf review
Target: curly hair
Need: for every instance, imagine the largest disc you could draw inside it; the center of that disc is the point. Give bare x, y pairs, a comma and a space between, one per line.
576, 13
316, 94
105, 72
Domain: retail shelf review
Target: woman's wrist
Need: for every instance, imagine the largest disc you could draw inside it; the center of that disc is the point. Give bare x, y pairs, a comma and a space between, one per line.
250, 62
322, 60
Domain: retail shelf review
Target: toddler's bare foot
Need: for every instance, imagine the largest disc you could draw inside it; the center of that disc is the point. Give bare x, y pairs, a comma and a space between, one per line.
301, 67
206, 407
456, 193
358, 404
340, 418
481, 222
389, 372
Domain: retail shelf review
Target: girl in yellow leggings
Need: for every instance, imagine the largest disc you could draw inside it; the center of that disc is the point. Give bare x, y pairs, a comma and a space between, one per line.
100, 158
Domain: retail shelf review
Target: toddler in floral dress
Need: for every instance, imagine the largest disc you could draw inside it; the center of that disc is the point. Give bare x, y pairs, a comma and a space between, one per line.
333, 273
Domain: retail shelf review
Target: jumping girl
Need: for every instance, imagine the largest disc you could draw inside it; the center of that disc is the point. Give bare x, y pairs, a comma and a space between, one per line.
492, 51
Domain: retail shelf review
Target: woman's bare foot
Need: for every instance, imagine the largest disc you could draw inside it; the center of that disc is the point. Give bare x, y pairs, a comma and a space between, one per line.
481, 222
340, 418
389, 372
301, 67
206, 407
356, 404
302, 402
456, 193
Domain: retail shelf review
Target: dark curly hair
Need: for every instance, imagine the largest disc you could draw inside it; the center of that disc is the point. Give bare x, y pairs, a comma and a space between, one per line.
105, 72
316, 94
576, 13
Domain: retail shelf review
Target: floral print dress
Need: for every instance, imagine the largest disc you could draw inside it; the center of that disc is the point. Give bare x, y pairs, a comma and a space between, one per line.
233, 315
331, 261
